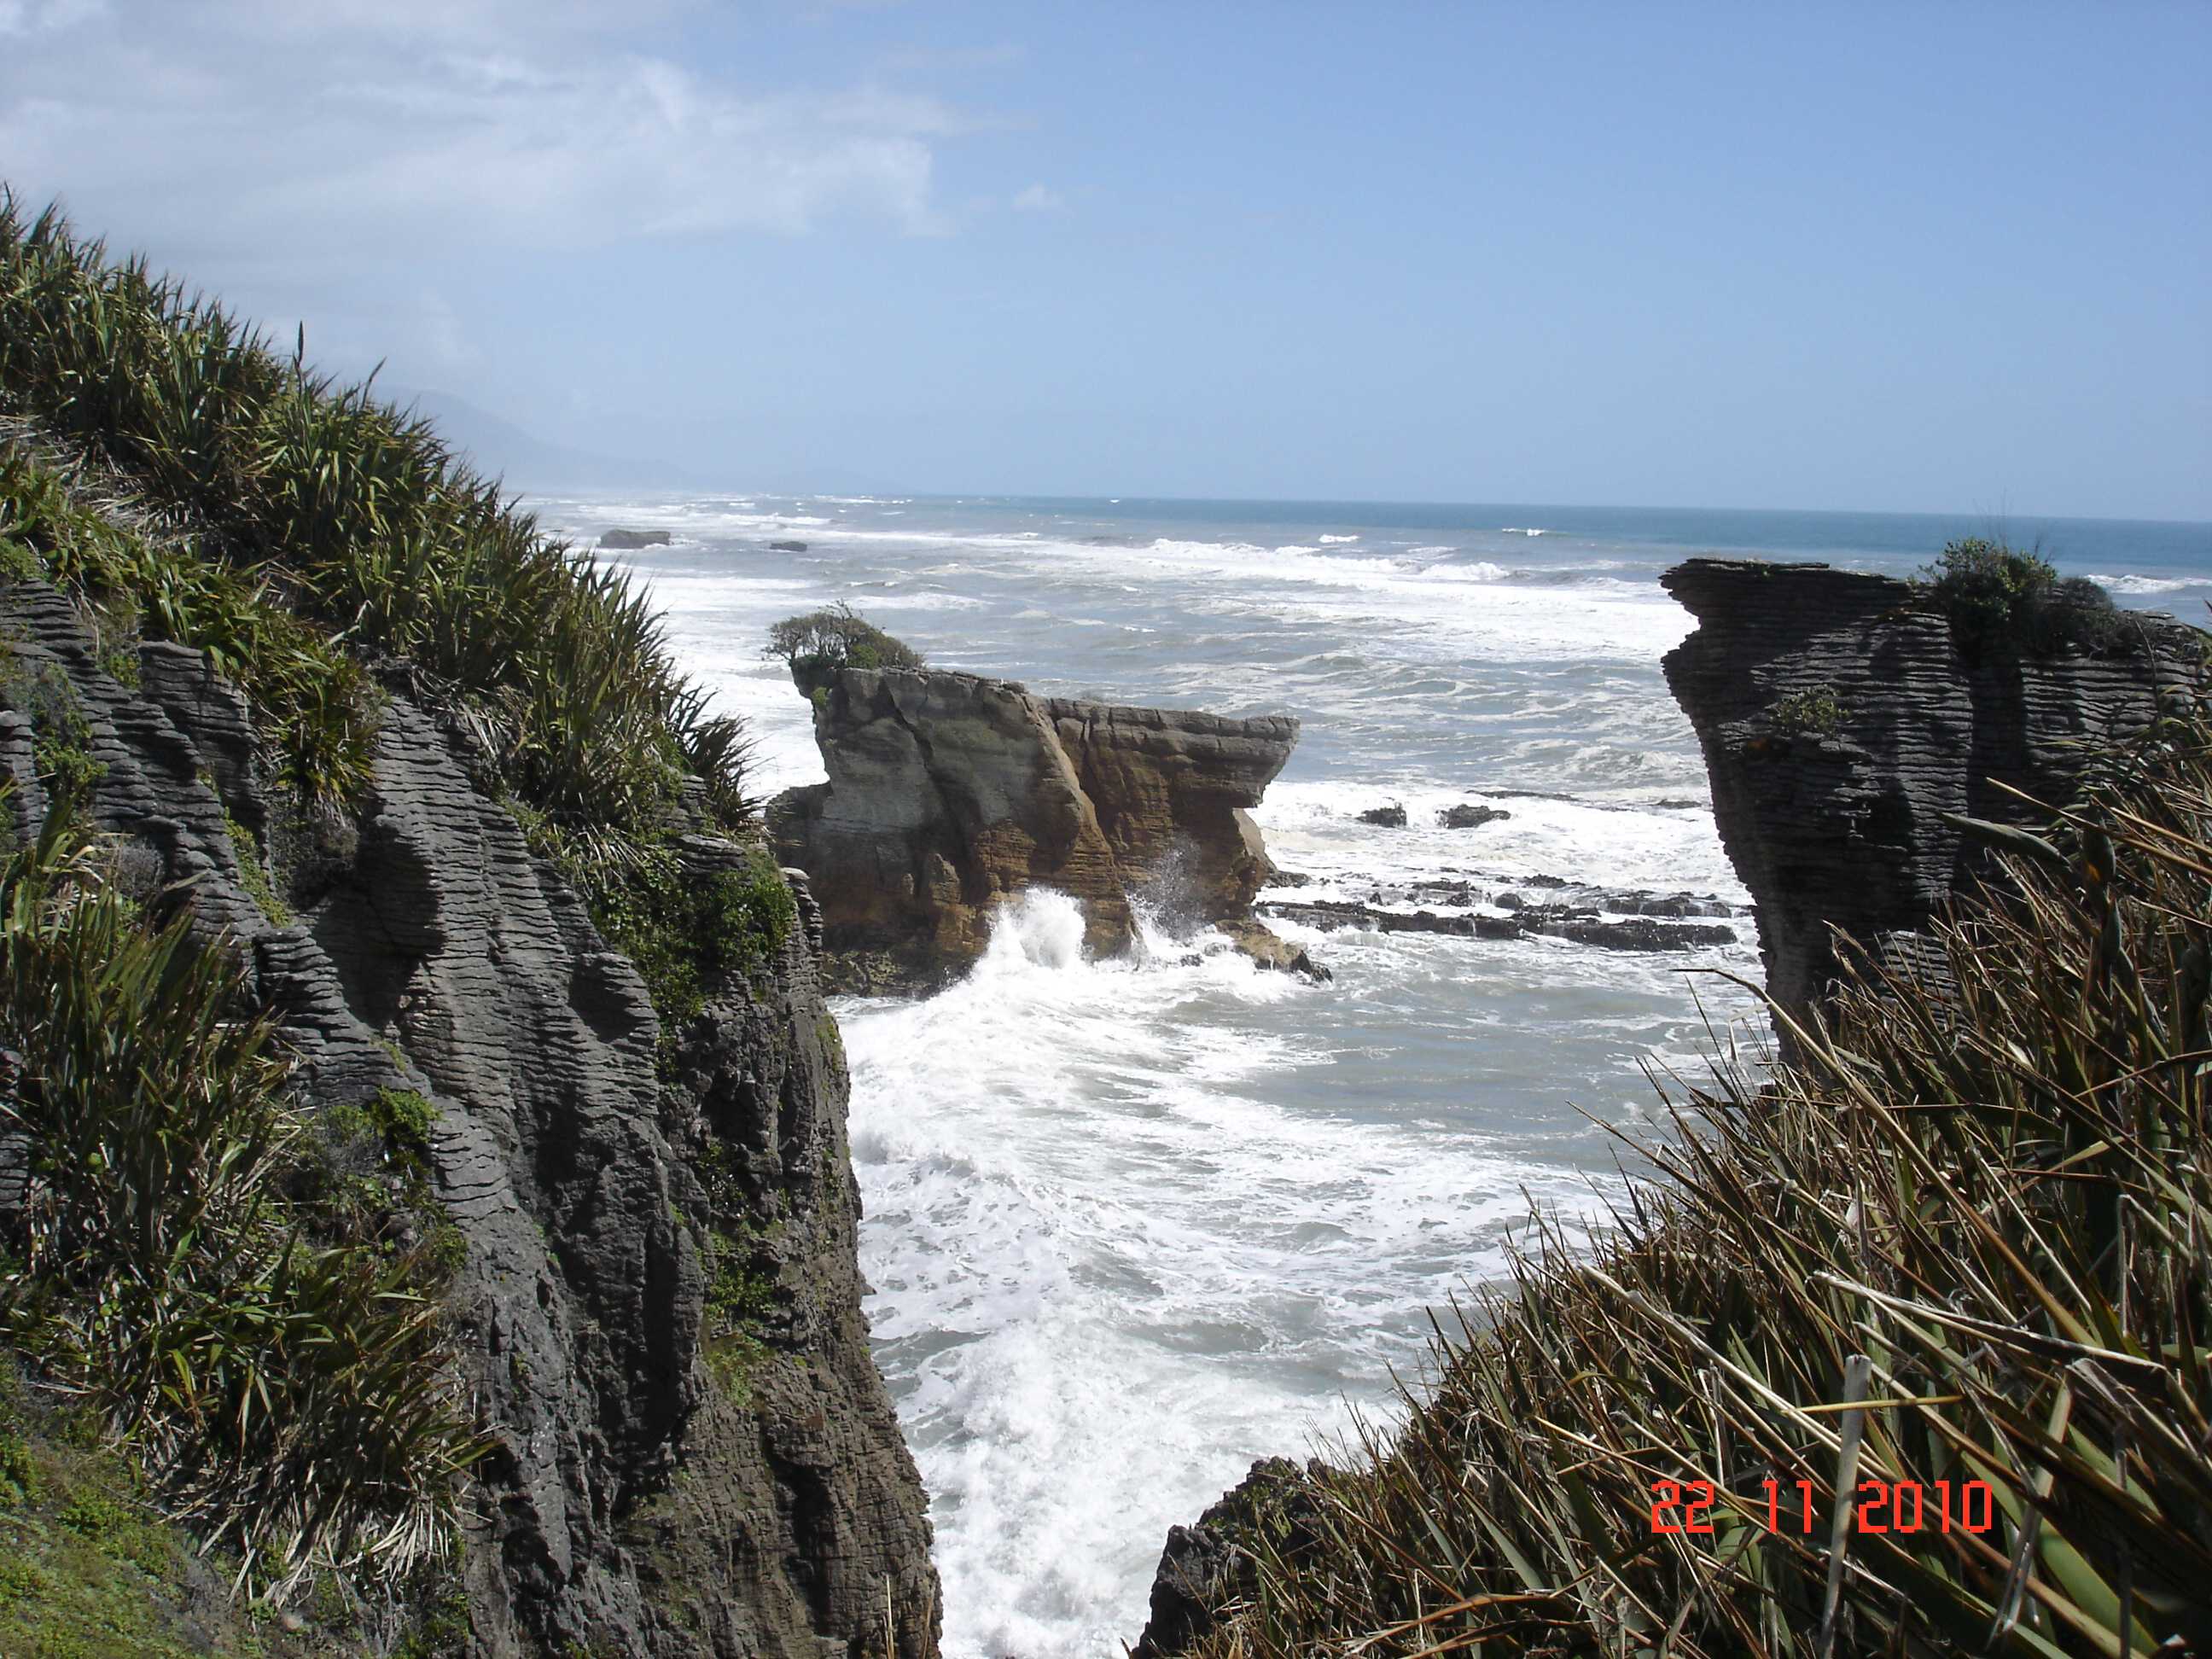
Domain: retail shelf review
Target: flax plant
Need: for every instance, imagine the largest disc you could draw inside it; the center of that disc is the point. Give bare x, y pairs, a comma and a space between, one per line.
1966, 1238
333, 503
291, 1399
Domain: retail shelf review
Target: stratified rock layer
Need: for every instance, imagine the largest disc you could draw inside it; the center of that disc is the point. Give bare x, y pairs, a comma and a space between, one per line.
640, 1500
949, 792
1842, 716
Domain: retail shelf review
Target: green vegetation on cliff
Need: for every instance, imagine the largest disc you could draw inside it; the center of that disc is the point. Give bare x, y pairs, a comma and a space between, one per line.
819, 643
327, 502
1966, 1239
1993, 591
239, 1288
309, 537
285, 1386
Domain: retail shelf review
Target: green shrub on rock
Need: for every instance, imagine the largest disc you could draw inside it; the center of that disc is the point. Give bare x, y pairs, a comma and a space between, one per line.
1815, 710
292, 1398
312, 700
819, 643
1993, 591
689, 931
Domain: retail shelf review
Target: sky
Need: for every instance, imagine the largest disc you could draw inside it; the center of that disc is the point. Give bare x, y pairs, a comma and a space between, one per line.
1915, 257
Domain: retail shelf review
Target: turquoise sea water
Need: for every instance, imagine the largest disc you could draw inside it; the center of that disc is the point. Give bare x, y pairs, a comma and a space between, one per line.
1131, 1224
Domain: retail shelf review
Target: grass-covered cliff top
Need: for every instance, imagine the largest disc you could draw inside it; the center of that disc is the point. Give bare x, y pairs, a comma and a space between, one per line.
290, 494
1962, 1252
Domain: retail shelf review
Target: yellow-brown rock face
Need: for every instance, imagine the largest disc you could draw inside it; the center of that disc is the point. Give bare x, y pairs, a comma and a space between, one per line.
949, 792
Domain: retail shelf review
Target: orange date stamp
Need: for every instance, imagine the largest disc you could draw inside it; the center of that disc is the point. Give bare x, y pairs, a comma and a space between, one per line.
1878, 1506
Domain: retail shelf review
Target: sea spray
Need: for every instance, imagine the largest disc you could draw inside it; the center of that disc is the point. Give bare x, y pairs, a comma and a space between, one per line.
1130, 1225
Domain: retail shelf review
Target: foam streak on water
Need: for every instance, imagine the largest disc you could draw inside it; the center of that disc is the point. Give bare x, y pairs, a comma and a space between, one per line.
1131, 1226
1121, 1247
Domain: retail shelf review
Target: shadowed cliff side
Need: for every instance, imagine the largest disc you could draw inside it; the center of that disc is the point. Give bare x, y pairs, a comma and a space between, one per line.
948, 791
1842, 714
657, 1308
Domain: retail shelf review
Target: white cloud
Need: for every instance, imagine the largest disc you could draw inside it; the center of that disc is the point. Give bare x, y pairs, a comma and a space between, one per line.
1037, 199
371, 125
21, 17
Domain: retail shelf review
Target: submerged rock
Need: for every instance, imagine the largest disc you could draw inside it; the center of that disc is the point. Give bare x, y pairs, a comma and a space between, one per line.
1470, 815
786, 547
629, 541
949, 793
1270, 949
1392, 817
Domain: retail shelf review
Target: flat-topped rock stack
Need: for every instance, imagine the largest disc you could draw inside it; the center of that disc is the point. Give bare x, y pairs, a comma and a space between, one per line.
1844, 714
949, 792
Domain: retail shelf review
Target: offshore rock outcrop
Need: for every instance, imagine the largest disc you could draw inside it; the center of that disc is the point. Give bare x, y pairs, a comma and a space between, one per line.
645, 1496
949, 792
1842, 714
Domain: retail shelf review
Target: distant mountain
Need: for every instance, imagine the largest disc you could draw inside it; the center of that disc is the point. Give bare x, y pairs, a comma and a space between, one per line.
523, 460
497, 447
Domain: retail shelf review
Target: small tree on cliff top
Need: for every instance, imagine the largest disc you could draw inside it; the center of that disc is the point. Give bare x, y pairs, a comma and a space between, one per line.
1993, 589
823, 641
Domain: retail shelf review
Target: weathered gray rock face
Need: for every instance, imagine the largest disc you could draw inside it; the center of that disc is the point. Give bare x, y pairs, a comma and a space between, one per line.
948, 791
640, 1501
1208, 1566
1842, 716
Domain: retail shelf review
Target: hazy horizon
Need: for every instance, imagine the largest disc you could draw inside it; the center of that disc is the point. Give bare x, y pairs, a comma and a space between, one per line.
1887, 261
446, 409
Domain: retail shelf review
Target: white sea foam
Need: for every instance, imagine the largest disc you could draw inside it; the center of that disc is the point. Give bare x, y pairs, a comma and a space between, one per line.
2128, 582
1112, 1265
1326, 541
1586, 619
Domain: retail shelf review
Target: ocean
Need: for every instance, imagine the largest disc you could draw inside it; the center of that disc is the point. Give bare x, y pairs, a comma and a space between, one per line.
1130, 1225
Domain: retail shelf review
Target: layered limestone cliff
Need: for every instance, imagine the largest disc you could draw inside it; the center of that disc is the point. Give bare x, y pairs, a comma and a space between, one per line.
949, 792
648, 1494
1842, 714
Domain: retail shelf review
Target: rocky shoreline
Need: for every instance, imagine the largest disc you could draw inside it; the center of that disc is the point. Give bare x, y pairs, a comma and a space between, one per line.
1610, 919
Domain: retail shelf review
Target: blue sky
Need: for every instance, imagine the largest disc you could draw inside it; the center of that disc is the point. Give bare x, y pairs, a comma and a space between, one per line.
1941, 258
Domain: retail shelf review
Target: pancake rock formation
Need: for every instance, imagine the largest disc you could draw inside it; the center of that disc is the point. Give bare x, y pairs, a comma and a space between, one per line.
950, 791
635, 1501
1844, 714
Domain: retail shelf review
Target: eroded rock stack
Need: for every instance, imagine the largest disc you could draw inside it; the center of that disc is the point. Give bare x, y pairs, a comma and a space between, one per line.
949, 792
1843, 714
